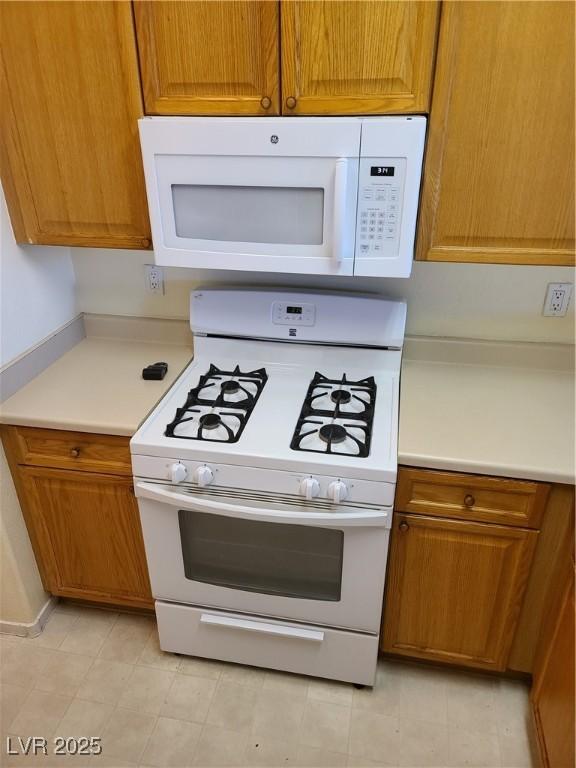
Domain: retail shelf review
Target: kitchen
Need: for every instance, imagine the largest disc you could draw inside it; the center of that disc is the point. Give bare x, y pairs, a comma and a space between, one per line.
365, 420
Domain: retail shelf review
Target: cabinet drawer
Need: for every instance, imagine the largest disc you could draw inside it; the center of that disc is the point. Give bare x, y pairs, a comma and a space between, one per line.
471, 497
72, 450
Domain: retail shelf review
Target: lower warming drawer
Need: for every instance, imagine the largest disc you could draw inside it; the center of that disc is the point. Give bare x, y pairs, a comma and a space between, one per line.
302, 648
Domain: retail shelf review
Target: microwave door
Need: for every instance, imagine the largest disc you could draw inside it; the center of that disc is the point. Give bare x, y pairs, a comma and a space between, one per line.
268, 214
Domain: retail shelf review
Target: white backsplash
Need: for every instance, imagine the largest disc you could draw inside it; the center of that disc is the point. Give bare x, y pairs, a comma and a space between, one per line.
481, 301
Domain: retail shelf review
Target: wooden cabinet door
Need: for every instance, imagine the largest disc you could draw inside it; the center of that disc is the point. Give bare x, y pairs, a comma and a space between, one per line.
499, 174
454, 589
85, 528
553, 695
357, 57
209, 58
69, 150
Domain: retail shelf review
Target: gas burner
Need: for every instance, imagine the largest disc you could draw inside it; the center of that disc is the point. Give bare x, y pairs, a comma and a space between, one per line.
336, 417
332, 433
218, 408
340, 396
210, 420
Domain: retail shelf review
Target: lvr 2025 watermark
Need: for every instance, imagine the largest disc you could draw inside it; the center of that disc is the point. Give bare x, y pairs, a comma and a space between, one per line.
59, 745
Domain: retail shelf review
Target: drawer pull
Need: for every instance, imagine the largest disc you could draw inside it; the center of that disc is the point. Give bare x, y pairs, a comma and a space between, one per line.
404, 526
469, 500
290, 102
262, 627
75, 452
266, 102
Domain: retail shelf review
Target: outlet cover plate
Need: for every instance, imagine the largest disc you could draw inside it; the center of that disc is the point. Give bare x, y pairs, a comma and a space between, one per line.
557, 299
154, 279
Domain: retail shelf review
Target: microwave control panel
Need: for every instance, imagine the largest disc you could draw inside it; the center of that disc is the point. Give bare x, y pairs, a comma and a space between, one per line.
380, 195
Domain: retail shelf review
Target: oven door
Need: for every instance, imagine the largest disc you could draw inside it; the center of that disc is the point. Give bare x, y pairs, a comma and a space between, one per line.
284, 560
224, 197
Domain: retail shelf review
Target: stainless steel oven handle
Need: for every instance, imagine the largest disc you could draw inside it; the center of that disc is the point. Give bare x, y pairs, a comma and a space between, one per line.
361, 519
247, 625
339, 212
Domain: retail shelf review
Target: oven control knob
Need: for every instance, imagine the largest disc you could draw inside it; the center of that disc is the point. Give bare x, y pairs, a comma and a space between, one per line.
203, 476
177, 472
337, 491
309, 488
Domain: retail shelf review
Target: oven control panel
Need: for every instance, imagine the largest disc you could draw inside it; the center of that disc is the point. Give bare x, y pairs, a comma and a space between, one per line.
380, 195
286, 313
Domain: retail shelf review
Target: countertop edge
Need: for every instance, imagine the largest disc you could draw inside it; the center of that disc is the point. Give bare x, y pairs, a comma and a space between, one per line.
537, 474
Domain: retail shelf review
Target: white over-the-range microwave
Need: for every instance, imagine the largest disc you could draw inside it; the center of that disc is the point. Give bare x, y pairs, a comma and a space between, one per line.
317, 196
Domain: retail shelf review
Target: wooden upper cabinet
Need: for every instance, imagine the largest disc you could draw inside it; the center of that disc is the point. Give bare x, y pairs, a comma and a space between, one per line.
499, 175
69, 150
209, 58
354, 57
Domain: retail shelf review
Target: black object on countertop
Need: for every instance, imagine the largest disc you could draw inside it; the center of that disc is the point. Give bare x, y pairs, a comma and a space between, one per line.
155, 371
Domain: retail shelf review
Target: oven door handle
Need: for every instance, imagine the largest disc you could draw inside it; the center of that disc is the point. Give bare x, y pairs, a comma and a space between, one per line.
339, 212
360, 519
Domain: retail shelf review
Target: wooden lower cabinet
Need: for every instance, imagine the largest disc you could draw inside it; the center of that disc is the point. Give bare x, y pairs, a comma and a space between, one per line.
553, 694
455, 589
84, 525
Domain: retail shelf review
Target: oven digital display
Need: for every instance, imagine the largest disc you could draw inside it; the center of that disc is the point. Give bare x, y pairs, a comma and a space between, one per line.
294, 310
382, 170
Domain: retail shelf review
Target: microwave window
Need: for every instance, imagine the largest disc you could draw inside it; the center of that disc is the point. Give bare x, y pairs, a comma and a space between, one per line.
288, 215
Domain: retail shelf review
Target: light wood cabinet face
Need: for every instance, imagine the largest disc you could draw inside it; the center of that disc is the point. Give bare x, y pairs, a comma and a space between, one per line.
553, 694
454, 590
69, 148
73, 450
357, 57
209, 58
499, 174
471, 497
87, 529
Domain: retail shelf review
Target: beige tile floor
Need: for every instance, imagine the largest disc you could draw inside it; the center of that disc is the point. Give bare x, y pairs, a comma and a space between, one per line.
99, 673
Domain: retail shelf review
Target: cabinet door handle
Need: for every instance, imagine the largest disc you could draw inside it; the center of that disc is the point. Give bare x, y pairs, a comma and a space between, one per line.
290, 102
403, 526
266, 102
75, 452
469, 500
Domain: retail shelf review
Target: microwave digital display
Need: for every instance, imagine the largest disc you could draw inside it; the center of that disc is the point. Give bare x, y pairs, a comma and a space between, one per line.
294, 310
382, 170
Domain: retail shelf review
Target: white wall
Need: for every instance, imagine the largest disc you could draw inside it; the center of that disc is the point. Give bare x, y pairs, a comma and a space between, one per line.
36, 298
36, 291
464, 300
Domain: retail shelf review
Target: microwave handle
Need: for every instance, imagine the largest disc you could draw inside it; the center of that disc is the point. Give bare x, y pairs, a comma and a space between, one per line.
368, 518
339, 212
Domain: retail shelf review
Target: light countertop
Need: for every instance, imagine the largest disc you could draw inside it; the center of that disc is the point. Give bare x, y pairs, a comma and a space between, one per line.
97, 386
491, 408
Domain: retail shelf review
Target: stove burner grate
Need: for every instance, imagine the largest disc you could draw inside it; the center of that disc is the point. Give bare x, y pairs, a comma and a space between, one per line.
250, 383
339, 430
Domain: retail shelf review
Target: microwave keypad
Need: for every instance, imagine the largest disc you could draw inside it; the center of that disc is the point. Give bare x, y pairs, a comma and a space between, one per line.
379, 207
379, 223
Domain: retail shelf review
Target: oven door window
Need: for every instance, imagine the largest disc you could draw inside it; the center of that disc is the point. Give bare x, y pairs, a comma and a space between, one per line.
243, 214
271, 558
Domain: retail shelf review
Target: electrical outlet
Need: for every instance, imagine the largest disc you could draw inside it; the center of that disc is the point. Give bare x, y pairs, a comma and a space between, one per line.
154, 279
557, 299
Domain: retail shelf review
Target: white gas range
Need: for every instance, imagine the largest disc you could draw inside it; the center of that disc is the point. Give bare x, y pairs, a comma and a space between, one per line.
265, 480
